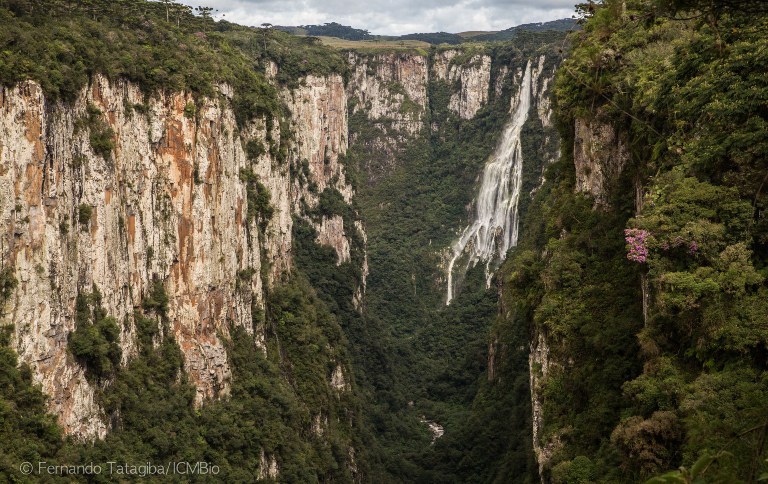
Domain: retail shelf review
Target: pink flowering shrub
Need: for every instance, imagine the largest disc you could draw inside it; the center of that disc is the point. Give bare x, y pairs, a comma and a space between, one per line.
637, 250
672, 243
693, 246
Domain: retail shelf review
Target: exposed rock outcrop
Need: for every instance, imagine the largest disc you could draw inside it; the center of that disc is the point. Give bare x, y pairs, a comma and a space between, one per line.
268, 467
319, 127
599, 154
165, 203
539, 368
331, 233
473, 78
339, 381
390, 89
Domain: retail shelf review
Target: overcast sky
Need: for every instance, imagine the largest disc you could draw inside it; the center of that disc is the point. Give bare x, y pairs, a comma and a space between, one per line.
394, 17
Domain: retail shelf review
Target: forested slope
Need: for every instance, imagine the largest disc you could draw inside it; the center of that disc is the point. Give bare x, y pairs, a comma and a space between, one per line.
148, 288
641, 274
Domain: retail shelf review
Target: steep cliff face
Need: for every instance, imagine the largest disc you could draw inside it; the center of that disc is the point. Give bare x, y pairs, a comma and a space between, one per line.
319, 126
168, 203
390, 88
538, 367
390, 99
599, 156
473, 79
635, 369
388, 106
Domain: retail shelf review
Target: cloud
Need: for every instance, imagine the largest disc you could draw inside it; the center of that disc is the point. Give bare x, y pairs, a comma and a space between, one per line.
394, 17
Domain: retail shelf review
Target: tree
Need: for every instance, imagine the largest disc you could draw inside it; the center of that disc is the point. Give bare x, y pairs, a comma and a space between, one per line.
179, 11
265, 27
167, 4
205, 12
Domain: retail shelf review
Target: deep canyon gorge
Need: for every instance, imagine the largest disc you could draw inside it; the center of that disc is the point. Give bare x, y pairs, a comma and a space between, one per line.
533, 258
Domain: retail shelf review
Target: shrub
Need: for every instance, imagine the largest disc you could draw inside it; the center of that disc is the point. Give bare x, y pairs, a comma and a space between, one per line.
95, 342
84, 213
102, 140
8, 283
100, 134
332, 203
190, 110
259, 197
254, 149
157, 300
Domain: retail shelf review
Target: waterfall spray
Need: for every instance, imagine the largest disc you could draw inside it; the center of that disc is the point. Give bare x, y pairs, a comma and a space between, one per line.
494, 227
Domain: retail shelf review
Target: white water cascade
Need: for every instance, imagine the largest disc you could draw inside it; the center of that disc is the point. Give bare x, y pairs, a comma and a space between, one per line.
494, 228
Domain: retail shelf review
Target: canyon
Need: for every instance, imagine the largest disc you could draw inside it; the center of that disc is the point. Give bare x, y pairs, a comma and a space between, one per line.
169, 204
527, 256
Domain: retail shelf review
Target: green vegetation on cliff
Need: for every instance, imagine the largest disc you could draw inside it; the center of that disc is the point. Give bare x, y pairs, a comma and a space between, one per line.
272, 407
62, 44
632, 391
650, 305
95, 342
432, 360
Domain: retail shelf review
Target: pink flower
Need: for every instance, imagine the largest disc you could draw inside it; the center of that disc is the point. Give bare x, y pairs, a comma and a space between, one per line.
637, 250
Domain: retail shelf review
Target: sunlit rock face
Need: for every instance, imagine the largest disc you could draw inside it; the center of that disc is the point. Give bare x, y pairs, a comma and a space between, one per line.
167, 204
473, 78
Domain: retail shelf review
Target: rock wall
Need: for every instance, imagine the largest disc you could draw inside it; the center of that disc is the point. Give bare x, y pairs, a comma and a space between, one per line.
319, 128
319, 124
167, 204
539, 368
599, 154
389, 95
473, 79
390, 89
550, 143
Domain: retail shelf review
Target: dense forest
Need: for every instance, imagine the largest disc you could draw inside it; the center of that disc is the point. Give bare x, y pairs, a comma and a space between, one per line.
652, 302
330, 29
442, 352
647, 293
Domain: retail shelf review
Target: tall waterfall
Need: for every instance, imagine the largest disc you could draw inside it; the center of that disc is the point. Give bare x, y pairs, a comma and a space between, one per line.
494, 228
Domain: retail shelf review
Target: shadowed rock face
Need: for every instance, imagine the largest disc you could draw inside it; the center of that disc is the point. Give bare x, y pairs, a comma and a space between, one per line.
599, 155
167, 204
383, 85
391, 91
